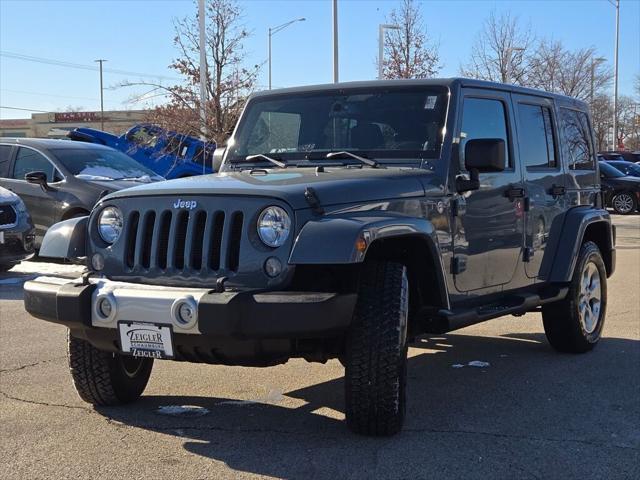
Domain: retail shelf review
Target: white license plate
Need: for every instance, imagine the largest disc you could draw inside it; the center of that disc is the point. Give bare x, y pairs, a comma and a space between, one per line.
1, 237
146, 339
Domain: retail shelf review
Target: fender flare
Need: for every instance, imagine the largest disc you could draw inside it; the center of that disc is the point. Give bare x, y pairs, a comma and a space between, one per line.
332, 240
66, 239
568, 242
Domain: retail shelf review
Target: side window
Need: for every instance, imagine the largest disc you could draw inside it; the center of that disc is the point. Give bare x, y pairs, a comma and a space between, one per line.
535, 136
28, 160
5, 155
576, 147
484, 118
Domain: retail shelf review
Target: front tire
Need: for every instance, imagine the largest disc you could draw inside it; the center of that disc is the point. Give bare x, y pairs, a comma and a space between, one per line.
376, 351
104, 378
624, 203
575, 324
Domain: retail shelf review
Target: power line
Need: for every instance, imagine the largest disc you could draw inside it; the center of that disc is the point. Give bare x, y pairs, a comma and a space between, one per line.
23, 109
79, 66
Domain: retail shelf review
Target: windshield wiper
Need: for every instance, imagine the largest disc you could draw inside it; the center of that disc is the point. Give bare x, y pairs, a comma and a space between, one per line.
367, 161
267, 158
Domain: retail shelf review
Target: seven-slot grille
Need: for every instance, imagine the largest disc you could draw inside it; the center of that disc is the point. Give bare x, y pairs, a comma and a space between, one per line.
7, 215
183, 241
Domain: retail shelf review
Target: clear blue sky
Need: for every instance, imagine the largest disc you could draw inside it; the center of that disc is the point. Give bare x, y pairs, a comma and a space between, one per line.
137, 36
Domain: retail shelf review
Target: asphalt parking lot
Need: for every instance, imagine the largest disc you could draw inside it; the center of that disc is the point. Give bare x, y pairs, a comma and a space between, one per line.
532, 413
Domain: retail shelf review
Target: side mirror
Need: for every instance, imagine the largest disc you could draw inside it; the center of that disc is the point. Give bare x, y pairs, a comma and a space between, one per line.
218, 156
485, 155
38, 178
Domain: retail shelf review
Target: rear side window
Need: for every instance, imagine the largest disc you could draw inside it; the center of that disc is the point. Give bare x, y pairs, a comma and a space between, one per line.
28, 160
484, 118
535, 136
576, 147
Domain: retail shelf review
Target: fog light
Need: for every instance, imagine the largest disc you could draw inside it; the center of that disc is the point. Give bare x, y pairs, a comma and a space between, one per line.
105, 307
185, 312
97, 261
273, 267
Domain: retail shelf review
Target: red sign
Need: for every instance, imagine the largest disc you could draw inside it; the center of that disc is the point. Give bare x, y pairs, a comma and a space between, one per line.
77, 117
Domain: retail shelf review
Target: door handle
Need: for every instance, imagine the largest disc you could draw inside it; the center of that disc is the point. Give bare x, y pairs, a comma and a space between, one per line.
514, 192
557, 190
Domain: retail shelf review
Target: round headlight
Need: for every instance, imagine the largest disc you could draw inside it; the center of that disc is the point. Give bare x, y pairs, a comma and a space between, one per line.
110, 224
274, 226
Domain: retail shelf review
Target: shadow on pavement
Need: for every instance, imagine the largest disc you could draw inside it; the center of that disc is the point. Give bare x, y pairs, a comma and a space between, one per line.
546, 410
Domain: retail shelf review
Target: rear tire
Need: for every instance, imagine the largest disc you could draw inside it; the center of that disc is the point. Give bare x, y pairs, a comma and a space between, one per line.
575, 324
624, 203
104, 378
376, 351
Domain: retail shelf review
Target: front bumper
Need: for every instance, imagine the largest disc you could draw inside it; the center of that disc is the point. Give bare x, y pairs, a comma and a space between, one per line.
17, 244
251, 321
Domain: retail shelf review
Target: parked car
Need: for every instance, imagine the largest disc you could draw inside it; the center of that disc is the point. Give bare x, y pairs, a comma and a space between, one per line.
170, 154
628, 168
621, 192
348, 219
621, 155
16, 230
61, 179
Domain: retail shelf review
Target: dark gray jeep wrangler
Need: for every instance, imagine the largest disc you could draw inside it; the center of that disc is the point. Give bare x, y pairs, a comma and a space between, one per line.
347, 219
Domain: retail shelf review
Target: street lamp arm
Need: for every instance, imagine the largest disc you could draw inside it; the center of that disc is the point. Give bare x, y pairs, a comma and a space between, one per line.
275, 30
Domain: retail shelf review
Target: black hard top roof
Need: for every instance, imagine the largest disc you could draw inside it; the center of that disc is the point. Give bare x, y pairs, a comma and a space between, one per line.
441, 82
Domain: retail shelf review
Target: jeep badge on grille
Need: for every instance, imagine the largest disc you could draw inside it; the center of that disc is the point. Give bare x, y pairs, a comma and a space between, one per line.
188, 204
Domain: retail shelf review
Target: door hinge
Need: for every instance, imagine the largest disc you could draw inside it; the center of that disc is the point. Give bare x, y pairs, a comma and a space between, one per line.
458, 206
458, 265
527, 255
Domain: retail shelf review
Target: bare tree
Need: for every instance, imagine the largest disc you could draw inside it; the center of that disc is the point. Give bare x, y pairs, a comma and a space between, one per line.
409, 52
628, 128
601, 115
575, 73
228, 80
499, 53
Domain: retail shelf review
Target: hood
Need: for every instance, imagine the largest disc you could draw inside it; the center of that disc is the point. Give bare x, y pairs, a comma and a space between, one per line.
113, 185
332, 187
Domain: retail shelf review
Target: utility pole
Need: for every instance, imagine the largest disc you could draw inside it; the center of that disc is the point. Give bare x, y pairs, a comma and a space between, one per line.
335, 41
381, 30
203, 71
615, 76
101, 61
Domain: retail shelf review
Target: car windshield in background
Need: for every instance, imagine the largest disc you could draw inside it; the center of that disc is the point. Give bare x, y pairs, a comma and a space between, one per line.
609, 171
628, 168
381, 123
102, 164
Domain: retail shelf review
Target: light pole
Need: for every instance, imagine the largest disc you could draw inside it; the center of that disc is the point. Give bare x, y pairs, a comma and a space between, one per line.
616, 3
272, 32
203, 70
335, 41
101, 61
509, 65
594, 63
382, 27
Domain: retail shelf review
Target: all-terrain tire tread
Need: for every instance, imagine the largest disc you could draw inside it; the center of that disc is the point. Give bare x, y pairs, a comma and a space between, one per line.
376, 360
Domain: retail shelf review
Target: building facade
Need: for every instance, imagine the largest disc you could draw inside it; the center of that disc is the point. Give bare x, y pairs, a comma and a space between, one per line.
57, 124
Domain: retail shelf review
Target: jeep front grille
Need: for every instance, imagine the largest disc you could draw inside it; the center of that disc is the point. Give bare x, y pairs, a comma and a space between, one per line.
183, 242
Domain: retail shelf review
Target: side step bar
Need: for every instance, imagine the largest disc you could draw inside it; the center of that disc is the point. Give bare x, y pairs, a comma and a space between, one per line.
517, 304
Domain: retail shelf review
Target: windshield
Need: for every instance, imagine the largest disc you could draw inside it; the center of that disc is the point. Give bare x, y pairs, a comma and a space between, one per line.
609, 171
374, 122
102, 164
